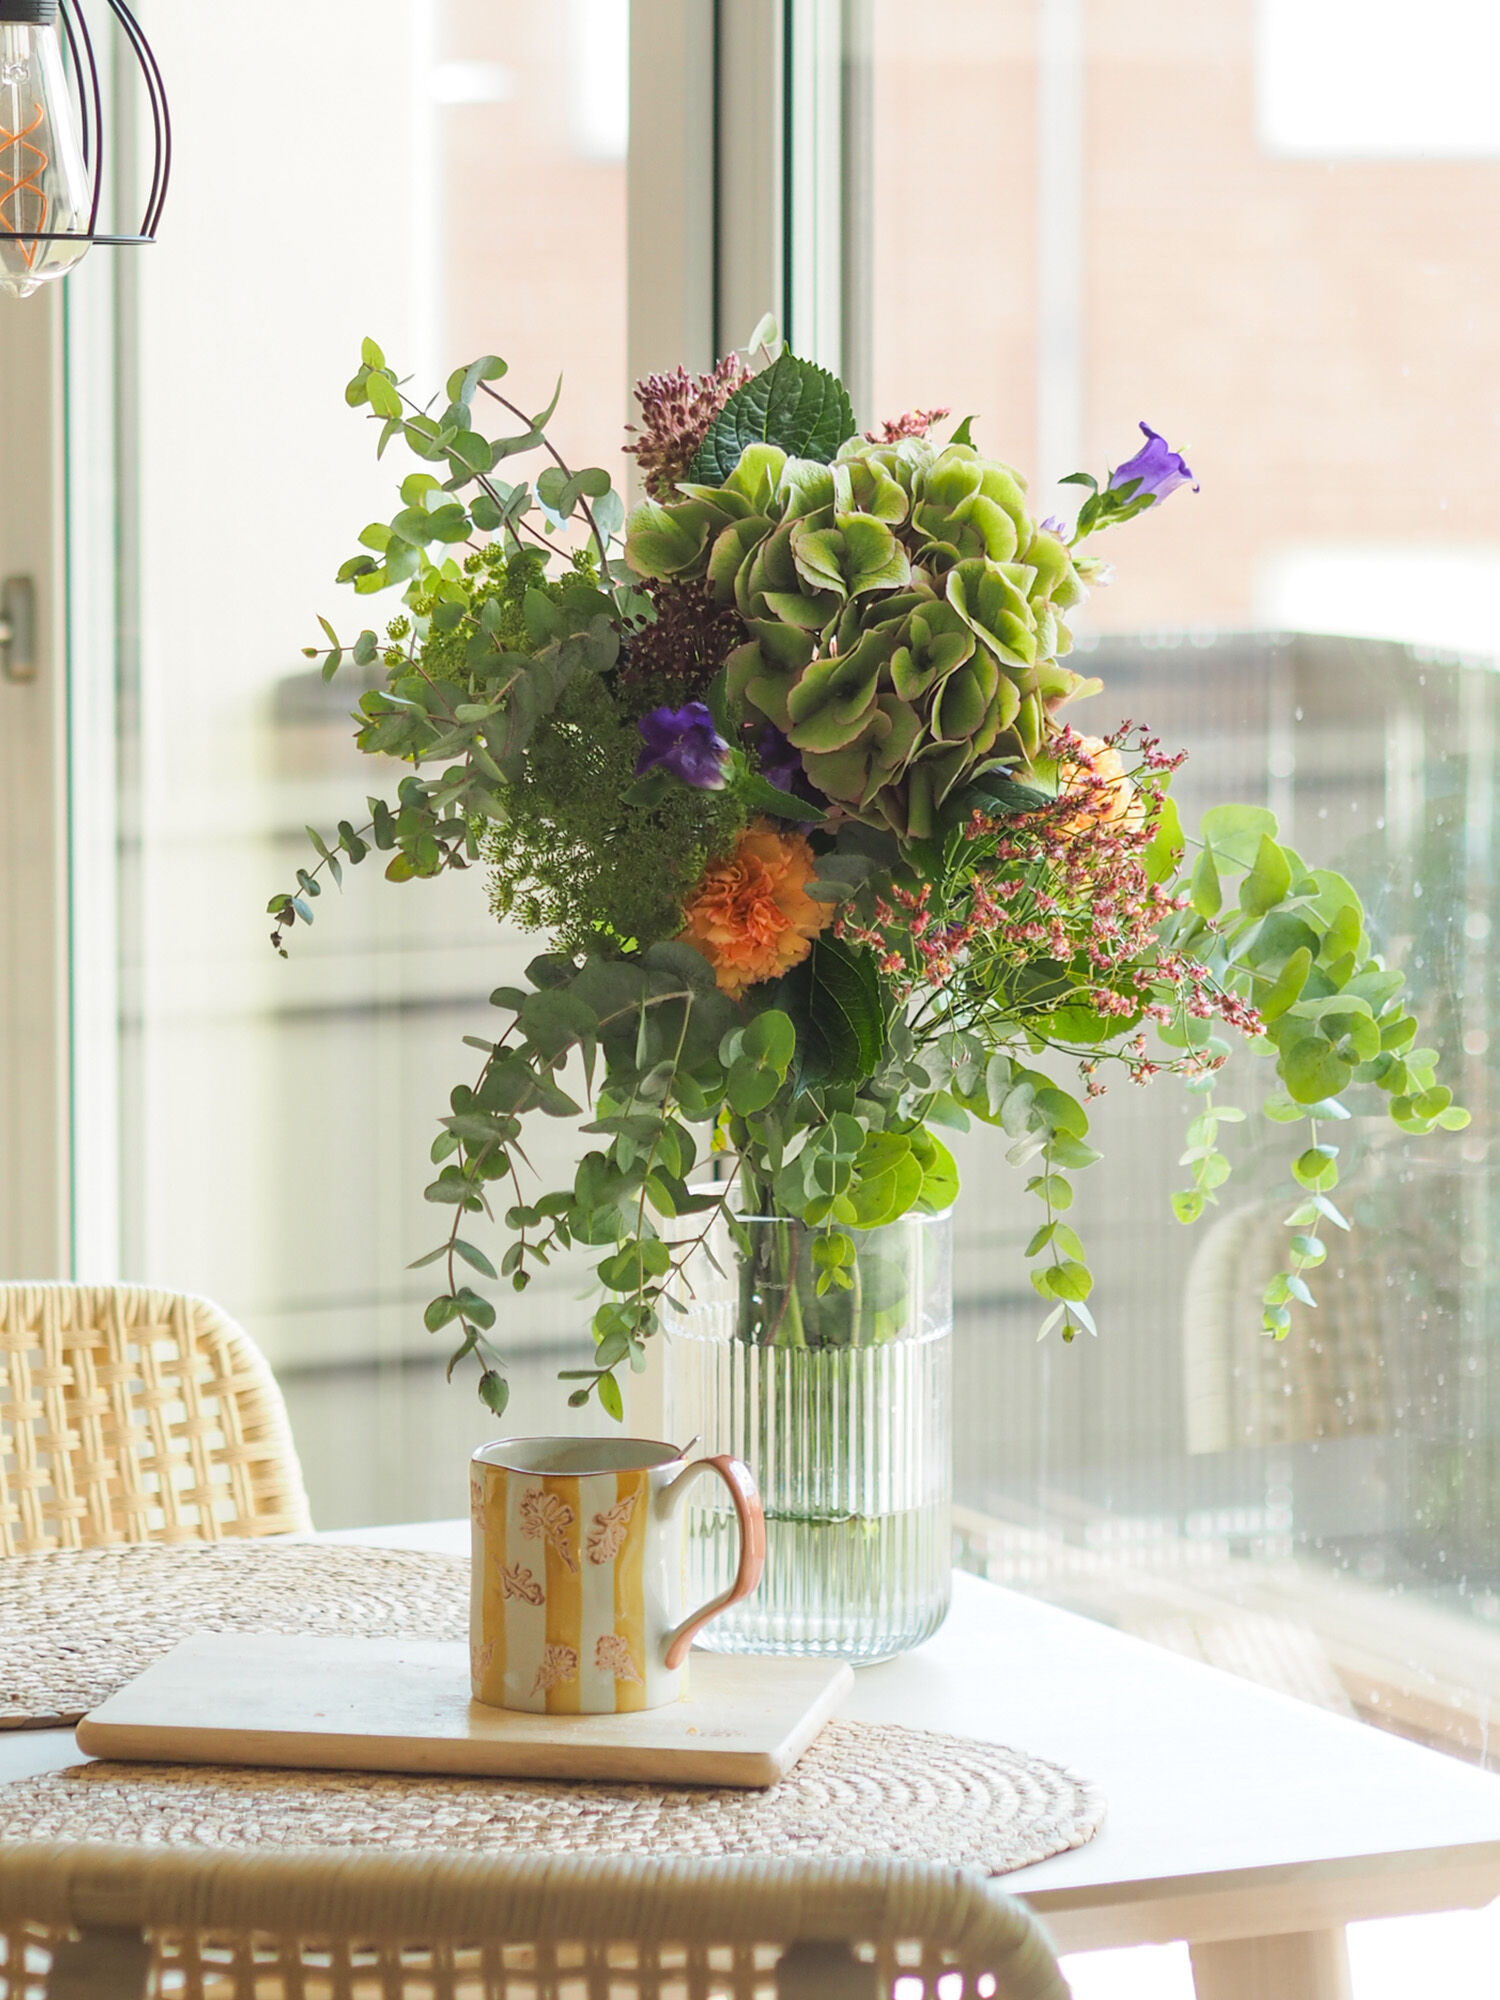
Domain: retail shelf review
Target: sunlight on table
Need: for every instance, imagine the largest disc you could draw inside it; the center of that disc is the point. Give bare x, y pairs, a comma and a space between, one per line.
1148, 1972
1454, 1954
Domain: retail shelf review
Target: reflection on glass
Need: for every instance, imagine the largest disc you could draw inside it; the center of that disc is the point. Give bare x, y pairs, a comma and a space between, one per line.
1189, 220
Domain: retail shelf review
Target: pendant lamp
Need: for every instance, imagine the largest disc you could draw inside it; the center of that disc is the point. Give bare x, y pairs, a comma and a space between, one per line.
52, 139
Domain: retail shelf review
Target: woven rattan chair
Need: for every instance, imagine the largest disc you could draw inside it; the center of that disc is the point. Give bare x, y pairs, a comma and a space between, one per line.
111, 1923
129, 1415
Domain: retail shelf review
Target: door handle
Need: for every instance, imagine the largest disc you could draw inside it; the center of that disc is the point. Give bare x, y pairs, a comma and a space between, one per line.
18, 629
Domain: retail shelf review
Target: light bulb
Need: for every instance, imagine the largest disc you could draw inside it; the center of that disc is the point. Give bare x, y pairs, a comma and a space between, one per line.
44, 184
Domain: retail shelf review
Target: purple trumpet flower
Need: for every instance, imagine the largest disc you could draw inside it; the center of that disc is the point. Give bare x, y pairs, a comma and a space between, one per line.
1159, 469
684, 742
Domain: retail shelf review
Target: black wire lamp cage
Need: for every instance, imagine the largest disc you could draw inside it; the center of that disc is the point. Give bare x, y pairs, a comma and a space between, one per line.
52, 139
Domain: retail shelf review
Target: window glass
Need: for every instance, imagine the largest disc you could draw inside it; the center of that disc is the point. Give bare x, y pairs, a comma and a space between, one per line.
1264, 230
446, 176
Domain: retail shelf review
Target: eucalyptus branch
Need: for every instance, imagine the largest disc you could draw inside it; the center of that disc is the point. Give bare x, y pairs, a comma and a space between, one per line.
583, 501
289, 909
482, 1136
487, 487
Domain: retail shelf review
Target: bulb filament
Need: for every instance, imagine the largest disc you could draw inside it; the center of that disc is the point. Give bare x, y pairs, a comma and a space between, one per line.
14, 188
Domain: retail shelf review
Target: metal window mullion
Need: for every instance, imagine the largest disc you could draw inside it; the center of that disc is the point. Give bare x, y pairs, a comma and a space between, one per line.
93, 508
857, 221
782, 169
813, 180
670, 188
102, 393
751, 161
736, 182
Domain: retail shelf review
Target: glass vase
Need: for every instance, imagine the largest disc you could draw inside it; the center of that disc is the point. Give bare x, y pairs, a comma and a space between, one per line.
841, 1403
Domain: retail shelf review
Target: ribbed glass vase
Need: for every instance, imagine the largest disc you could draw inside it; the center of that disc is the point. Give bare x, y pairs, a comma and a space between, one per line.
841, 1402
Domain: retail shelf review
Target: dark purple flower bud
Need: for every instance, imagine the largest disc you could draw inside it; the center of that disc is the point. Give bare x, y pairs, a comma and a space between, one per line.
1159, 469
780, 761
781, 765
684, 742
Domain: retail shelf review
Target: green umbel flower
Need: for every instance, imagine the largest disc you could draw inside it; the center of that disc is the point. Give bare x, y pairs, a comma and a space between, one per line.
905, 613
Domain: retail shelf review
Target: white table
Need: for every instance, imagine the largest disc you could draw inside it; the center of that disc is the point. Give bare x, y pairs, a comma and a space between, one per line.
1252, 1826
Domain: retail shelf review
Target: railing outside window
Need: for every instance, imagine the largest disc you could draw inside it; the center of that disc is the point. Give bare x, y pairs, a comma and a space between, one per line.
1254, 226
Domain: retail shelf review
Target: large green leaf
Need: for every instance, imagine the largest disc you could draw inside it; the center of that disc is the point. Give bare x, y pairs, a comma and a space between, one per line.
794, 404
939, 1171
996, 794
761, 796
1312, 1070
1235, 834
889, 1187
834, 998
1269, 881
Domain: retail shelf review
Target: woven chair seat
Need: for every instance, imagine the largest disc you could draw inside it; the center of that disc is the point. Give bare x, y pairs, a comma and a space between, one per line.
129, 1415
110, 1923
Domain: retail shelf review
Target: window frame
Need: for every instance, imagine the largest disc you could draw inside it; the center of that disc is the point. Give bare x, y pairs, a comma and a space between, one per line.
736, 179
35, 1086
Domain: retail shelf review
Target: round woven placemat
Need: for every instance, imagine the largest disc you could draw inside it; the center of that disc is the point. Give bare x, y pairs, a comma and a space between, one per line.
77, 1624
861, 1790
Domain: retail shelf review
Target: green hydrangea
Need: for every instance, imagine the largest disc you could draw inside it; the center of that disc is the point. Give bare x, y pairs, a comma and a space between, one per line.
905, 613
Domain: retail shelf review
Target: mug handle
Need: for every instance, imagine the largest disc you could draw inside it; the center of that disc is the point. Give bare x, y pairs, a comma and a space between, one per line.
740, 1480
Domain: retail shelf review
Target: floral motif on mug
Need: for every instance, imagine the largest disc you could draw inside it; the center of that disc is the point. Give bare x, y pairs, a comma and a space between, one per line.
476, 1502
559, 1664
613, 1656
481, 1652
546, 1518
516, 1580
607, 1536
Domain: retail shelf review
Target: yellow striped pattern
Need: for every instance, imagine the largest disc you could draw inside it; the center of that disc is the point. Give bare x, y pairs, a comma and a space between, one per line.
630, 1587
492, 1627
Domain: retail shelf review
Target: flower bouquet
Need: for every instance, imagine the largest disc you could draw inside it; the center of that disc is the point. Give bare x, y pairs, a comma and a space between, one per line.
779, 766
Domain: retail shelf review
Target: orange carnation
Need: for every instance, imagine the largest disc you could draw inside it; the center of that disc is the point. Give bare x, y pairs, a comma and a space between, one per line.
750, 915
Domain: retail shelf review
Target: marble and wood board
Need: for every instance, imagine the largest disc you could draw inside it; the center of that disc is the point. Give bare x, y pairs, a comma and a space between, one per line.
319, 1702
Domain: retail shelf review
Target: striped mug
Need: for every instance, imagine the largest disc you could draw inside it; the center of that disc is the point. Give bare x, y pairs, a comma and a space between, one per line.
575, 1603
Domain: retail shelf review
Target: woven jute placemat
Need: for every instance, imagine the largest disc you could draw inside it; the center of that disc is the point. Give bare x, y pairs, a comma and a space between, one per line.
77, 1624
861, 1791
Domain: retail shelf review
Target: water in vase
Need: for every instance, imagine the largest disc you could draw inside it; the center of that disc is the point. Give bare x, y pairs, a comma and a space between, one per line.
851, 1446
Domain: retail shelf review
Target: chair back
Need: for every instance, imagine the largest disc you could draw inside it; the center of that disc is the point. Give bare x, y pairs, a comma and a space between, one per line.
129, 1415
113, 1923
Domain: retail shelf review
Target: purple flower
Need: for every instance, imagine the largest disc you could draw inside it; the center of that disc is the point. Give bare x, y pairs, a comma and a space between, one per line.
1052, 526
1159, 469
684, 742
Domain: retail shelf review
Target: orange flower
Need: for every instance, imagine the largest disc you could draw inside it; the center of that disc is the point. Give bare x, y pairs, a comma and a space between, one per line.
1096, 772
750, 914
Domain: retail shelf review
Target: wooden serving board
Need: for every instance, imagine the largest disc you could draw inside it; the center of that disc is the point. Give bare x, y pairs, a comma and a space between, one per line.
341, 1704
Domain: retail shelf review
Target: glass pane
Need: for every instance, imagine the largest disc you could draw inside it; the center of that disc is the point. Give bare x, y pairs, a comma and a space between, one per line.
1255, 227
446, 176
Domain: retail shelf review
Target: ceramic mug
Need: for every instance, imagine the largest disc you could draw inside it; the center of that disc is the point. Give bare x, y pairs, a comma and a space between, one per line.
575, 1602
